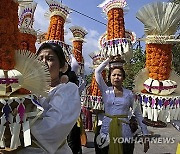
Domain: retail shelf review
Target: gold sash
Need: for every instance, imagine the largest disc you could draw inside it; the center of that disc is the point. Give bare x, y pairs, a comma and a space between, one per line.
115, 131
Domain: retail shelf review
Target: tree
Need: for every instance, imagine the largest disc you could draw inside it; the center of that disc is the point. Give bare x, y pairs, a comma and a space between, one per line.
89, 78
176, 58
176, 50
136, 64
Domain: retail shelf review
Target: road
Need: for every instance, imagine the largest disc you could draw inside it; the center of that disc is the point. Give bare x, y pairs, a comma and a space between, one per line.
155, 148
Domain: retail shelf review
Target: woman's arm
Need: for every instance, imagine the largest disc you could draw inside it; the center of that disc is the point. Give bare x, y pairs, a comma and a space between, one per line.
139, 117
138, 114
98, 76
63, 112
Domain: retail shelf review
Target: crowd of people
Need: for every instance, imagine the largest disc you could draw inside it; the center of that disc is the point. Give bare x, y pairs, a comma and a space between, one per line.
59, 128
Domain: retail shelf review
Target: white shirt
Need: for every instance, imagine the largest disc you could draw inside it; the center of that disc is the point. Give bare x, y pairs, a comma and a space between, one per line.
117, 105
61, 111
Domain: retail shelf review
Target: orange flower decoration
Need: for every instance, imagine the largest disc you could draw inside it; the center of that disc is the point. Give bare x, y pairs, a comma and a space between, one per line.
158, 60
94, 90
115, 28
56, 28
9, 33
27, 42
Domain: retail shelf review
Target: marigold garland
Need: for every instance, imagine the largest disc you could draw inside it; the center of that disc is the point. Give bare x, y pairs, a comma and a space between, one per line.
77, 50
10, 37
56, 28
158, 60
9, 33
27, 42
94, 90
115, 28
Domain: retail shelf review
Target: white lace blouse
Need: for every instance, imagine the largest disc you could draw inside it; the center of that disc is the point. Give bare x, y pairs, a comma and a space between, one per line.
117, 105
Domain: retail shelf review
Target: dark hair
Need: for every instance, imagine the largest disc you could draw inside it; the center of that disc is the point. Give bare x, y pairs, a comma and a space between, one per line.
71, 75
57, 49
110, 71
62, 60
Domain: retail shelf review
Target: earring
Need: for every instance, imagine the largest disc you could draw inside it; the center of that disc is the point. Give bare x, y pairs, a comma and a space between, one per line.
64, 79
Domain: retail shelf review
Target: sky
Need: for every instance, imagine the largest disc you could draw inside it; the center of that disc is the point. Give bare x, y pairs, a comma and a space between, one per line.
94, 29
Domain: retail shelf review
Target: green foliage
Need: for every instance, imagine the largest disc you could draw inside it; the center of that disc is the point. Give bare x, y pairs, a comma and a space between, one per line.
128, 82
176, 50
176, 58
89, 78
136, 64
138, 60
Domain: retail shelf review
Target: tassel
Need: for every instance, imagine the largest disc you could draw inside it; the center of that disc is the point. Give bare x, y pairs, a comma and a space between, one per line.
15, 131
21, 111
155, 110
6, 110
177, 110
2, 130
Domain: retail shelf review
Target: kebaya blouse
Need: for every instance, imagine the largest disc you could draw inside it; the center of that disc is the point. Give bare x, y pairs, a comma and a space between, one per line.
117, 105
61, 111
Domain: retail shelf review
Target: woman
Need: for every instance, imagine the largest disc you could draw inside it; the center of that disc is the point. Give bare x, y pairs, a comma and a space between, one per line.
61, 107
117, 101
73, 139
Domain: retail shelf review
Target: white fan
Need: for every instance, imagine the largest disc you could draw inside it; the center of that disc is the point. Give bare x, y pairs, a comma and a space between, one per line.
36, 76
140, 78
175, 77
160, 18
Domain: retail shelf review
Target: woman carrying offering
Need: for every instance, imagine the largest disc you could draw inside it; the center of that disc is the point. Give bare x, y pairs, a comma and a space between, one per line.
117, 101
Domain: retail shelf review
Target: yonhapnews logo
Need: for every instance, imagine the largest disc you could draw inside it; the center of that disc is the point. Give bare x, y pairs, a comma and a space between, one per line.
102, 140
